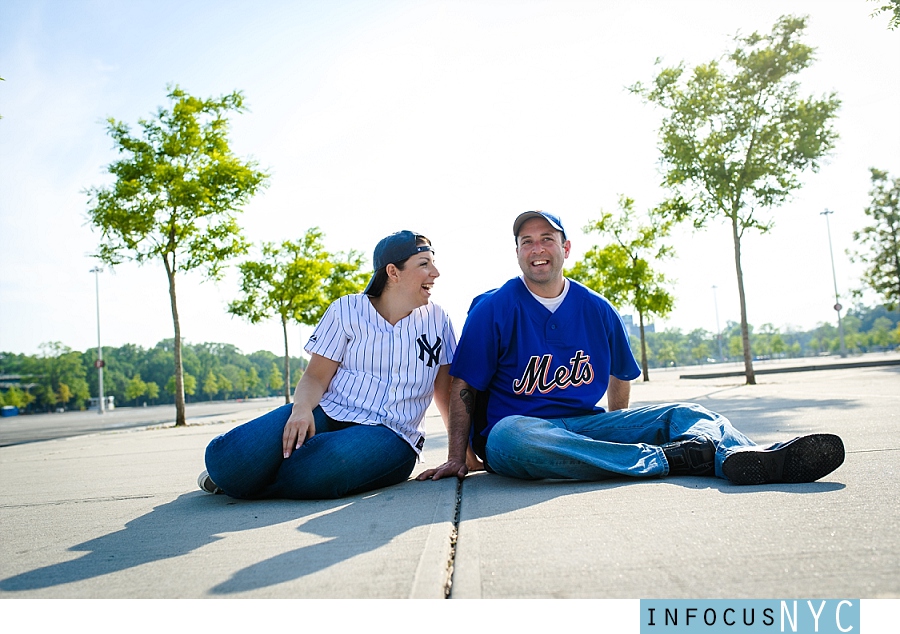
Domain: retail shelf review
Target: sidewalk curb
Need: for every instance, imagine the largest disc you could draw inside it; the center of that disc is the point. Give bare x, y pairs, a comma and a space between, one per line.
798, 368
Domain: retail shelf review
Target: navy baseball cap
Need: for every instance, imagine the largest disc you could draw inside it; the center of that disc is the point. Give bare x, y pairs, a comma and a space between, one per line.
554, 221
396, 248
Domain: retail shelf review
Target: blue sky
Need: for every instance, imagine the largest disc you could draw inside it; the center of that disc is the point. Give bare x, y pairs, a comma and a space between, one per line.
448, 118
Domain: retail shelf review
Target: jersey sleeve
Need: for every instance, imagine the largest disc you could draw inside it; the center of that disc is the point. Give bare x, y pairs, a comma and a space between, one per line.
329, 338
448, 335
478, 351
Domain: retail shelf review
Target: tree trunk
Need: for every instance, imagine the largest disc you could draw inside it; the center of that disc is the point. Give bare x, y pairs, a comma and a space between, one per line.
745, 330
180, 419
644, 369
287, 364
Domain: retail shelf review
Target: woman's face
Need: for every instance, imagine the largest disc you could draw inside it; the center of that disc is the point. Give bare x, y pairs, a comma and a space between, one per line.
417, 277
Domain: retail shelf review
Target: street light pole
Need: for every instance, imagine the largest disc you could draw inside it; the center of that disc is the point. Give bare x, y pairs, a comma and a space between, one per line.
101, 405
718, 330
837, 302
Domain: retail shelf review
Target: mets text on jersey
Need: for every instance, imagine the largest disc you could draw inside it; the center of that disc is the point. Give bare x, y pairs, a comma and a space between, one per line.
537, 374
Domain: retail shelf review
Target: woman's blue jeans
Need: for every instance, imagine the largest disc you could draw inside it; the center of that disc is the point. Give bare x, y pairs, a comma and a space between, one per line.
605, 445
340, 459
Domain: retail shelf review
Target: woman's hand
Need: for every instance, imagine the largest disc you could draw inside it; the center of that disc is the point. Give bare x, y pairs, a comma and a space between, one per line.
300, 427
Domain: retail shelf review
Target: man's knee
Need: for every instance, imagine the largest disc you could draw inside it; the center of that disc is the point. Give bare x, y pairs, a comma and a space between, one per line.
515, 434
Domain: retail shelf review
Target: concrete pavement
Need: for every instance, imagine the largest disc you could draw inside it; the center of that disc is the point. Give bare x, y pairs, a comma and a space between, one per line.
118, 514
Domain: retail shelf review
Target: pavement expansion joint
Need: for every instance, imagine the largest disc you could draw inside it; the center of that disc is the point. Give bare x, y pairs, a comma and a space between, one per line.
454, 535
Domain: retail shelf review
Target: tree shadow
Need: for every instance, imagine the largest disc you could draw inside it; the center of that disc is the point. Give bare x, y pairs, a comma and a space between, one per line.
170, 530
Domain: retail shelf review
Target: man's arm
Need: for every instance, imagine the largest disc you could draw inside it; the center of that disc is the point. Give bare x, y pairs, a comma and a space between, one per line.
462, 402
618, 394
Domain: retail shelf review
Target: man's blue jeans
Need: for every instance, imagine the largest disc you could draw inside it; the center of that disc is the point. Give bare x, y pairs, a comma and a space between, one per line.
340, 459
605, 445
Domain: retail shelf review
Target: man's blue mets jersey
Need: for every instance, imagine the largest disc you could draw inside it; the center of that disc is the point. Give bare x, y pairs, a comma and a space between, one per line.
536, 363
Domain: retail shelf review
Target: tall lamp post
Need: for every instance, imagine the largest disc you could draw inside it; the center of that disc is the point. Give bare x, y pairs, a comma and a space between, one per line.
718, 330
837, 302
101, 405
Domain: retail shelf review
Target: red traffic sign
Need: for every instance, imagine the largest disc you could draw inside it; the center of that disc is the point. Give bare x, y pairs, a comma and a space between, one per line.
99, 363
838, 307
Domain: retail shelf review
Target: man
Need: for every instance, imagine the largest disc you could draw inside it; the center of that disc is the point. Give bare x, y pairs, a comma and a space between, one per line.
534, 360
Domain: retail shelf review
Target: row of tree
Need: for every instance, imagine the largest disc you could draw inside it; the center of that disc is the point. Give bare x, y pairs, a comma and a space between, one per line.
59, 377
865, 330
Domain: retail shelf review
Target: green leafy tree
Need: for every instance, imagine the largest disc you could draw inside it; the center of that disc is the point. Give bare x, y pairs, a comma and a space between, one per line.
668, 353
17, 398
178, 189
190, 384
295, 281
882, 238
152, 391
210, 385
136, 388
225, 385
276, 379
57, 365
881, 334
893, 8
253, 381
700, 352
621, 271
737, 137
63, 394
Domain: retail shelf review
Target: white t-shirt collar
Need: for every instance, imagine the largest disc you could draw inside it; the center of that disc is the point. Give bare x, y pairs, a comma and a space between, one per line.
550, 303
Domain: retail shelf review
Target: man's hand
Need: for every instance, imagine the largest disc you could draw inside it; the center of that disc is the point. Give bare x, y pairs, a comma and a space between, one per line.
446, 470
300, 427
462, 398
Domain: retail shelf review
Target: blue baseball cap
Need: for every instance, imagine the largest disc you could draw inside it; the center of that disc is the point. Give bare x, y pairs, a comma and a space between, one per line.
397, 247
554, 221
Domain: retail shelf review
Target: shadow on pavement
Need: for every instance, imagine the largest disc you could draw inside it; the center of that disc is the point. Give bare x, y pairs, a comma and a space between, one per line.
361, 524
353, 526
170, 530
768, 414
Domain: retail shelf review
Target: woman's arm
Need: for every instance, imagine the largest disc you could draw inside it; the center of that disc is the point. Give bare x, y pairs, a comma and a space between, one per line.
301, 425
442, 393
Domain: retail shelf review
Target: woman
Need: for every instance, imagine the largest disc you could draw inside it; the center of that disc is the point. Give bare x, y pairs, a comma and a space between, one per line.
356, 423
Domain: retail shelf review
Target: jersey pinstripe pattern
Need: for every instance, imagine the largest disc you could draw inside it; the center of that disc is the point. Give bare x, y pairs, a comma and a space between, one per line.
386, 374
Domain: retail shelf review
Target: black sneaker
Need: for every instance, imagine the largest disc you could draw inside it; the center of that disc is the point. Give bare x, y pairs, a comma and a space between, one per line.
206, 484
803, 459
696, 457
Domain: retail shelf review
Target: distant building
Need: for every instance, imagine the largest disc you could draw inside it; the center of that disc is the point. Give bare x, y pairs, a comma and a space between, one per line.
635, 329
14, 380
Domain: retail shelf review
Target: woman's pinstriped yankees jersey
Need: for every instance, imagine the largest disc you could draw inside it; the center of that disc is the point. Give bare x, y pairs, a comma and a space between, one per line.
386, 373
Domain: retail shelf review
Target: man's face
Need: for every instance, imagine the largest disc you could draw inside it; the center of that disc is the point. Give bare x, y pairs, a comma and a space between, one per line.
541, 252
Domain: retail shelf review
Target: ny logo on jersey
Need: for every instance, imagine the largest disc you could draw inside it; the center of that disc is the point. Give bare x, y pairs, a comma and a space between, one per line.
426, 348
537, 374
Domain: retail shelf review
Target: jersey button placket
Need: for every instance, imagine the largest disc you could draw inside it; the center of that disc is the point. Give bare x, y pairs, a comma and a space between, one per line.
396, 347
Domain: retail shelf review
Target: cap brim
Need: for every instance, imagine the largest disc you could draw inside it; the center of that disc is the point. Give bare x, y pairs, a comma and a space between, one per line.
369, 285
